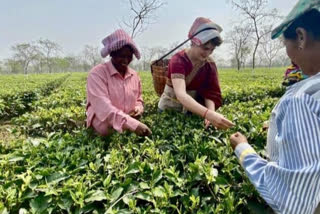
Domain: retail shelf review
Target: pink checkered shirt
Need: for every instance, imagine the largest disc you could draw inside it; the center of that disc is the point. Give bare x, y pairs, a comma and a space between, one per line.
111, 97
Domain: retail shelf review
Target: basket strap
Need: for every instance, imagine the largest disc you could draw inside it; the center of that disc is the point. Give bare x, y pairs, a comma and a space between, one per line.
193, 73
167, 54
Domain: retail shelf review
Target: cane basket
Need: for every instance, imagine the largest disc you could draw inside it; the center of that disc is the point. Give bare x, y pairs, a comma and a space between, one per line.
159, 70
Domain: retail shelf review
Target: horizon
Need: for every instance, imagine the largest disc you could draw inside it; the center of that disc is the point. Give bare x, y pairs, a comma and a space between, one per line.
86, 24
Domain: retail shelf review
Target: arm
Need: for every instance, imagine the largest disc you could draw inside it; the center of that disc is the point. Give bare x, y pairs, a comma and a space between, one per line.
293, 184
138, 109
139, 99
190, 104
179, 86
209, 104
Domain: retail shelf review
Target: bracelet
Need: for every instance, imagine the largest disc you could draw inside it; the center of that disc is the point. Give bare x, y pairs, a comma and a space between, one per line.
205, 113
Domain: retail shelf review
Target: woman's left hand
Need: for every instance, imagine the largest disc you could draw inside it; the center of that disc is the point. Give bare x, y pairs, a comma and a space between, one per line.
236, 139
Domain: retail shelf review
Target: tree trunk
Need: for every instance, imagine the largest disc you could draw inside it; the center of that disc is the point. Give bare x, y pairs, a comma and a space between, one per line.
25, 68
238, 64
254, 55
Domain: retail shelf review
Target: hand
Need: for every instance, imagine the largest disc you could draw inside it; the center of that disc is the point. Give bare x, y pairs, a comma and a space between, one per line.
143, 130
137, 112
236, 139
265, 125
218, 120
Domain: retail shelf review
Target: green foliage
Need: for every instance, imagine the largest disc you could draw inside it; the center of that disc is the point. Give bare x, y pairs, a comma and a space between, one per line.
18, 92
61, 167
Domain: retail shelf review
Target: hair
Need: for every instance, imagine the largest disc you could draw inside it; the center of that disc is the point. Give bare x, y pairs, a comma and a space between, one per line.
217, 41
308, 21
116, 52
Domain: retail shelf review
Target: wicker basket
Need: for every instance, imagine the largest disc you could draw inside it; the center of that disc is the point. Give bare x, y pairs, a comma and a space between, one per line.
159, 70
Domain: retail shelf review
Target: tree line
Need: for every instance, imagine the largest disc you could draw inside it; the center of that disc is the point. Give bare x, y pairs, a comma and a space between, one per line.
249, 43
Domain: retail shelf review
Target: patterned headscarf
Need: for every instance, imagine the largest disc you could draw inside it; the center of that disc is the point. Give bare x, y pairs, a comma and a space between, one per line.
116, 41
201, 23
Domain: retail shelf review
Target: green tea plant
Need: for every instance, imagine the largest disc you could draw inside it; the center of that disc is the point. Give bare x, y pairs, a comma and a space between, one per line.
62, 167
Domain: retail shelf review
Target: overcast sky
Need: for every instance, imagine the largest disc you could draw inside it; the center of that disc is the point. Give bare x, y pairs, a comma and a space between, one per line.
75, 23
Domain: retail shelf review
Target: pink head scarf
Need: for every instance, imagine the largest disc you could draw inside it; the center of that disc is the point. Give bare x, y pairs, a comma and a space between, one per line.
116, 41
201, 23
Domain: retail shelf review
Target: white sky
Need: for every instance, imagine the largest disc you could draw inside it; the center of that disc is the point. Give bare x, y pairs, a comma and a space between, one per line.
75, 23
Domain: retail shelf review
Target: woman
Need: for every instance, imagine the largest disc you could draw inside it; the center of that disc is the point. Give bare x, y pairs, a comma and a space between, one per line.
114, 90
193, 79
290, 180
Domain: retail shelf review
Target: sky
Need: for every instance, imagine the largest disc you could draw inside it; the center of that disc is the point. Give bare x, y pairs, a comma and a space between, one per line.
76, 23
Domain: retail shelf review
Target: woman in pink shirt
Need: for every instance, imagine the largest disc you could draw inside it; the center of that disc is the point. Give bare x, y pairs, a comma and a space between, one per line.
114, 100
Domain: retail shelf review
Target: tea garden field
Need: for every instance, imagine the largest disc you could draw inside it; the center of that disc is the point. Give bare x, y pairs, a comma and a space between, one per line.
50, 163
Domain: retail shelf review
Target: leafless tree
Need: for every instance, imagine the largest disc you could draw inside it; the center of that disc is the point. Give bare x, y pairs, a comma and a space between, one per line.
239, 39
12, 66
143, 14
270, 48
257, 15
1, 67
282, 59
49, 49
150, 54
25, 53
91, 55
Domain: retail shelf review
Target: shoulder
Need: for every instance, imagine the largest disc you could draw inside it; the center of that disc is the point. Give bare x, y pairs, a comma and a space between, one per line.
179, 58
211, 65
302, 103
99, 72
311, 87
99, 68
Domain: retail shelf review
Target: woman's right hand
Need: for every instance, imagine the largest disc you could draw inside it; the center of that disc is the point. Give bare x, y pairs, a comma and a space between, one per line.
218, 120
143, 130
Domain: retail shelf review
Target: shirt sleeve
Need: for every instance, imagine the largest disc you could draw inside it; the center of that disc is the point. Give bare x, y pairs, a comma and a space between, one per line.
291, 185
99, 99
177, 68
211, 89
139, 101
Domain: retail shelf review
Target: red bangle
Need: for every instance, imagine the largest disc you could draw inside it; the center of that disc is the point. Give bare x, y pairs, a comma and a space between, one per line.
205, 113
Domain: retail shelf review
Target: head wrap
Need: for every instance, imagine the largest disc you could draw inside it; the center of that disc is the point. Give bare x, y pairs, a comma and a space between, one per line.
116, 41
202, 23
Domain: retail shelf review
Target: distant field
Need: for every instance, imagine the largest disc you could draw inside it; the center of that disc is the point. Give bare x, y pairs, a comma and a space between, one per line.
50, 163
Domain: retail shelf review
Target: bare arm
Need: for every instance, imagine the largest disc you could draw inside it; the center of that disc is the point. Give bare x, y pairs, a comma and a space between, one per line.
179, 86
209, 104
190, 104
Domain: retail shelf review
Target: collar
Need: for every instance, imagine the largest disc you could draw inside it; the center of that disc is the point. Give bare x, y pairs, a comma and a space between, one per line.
113, 71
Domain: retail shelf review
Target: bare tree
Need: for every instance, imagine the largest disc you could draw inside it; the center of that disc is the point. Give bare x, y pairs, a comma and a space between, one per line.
257, 15
270, 48
150, 54
143, 14
13, 66
282, 59
1, 67
49, 49
91, 55
239, 40
25, 53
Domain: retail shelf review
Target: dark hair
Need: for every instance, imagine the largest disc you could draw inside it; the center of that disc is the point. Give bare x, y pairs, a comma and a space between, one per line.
216, 41
115, 53
308, 21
